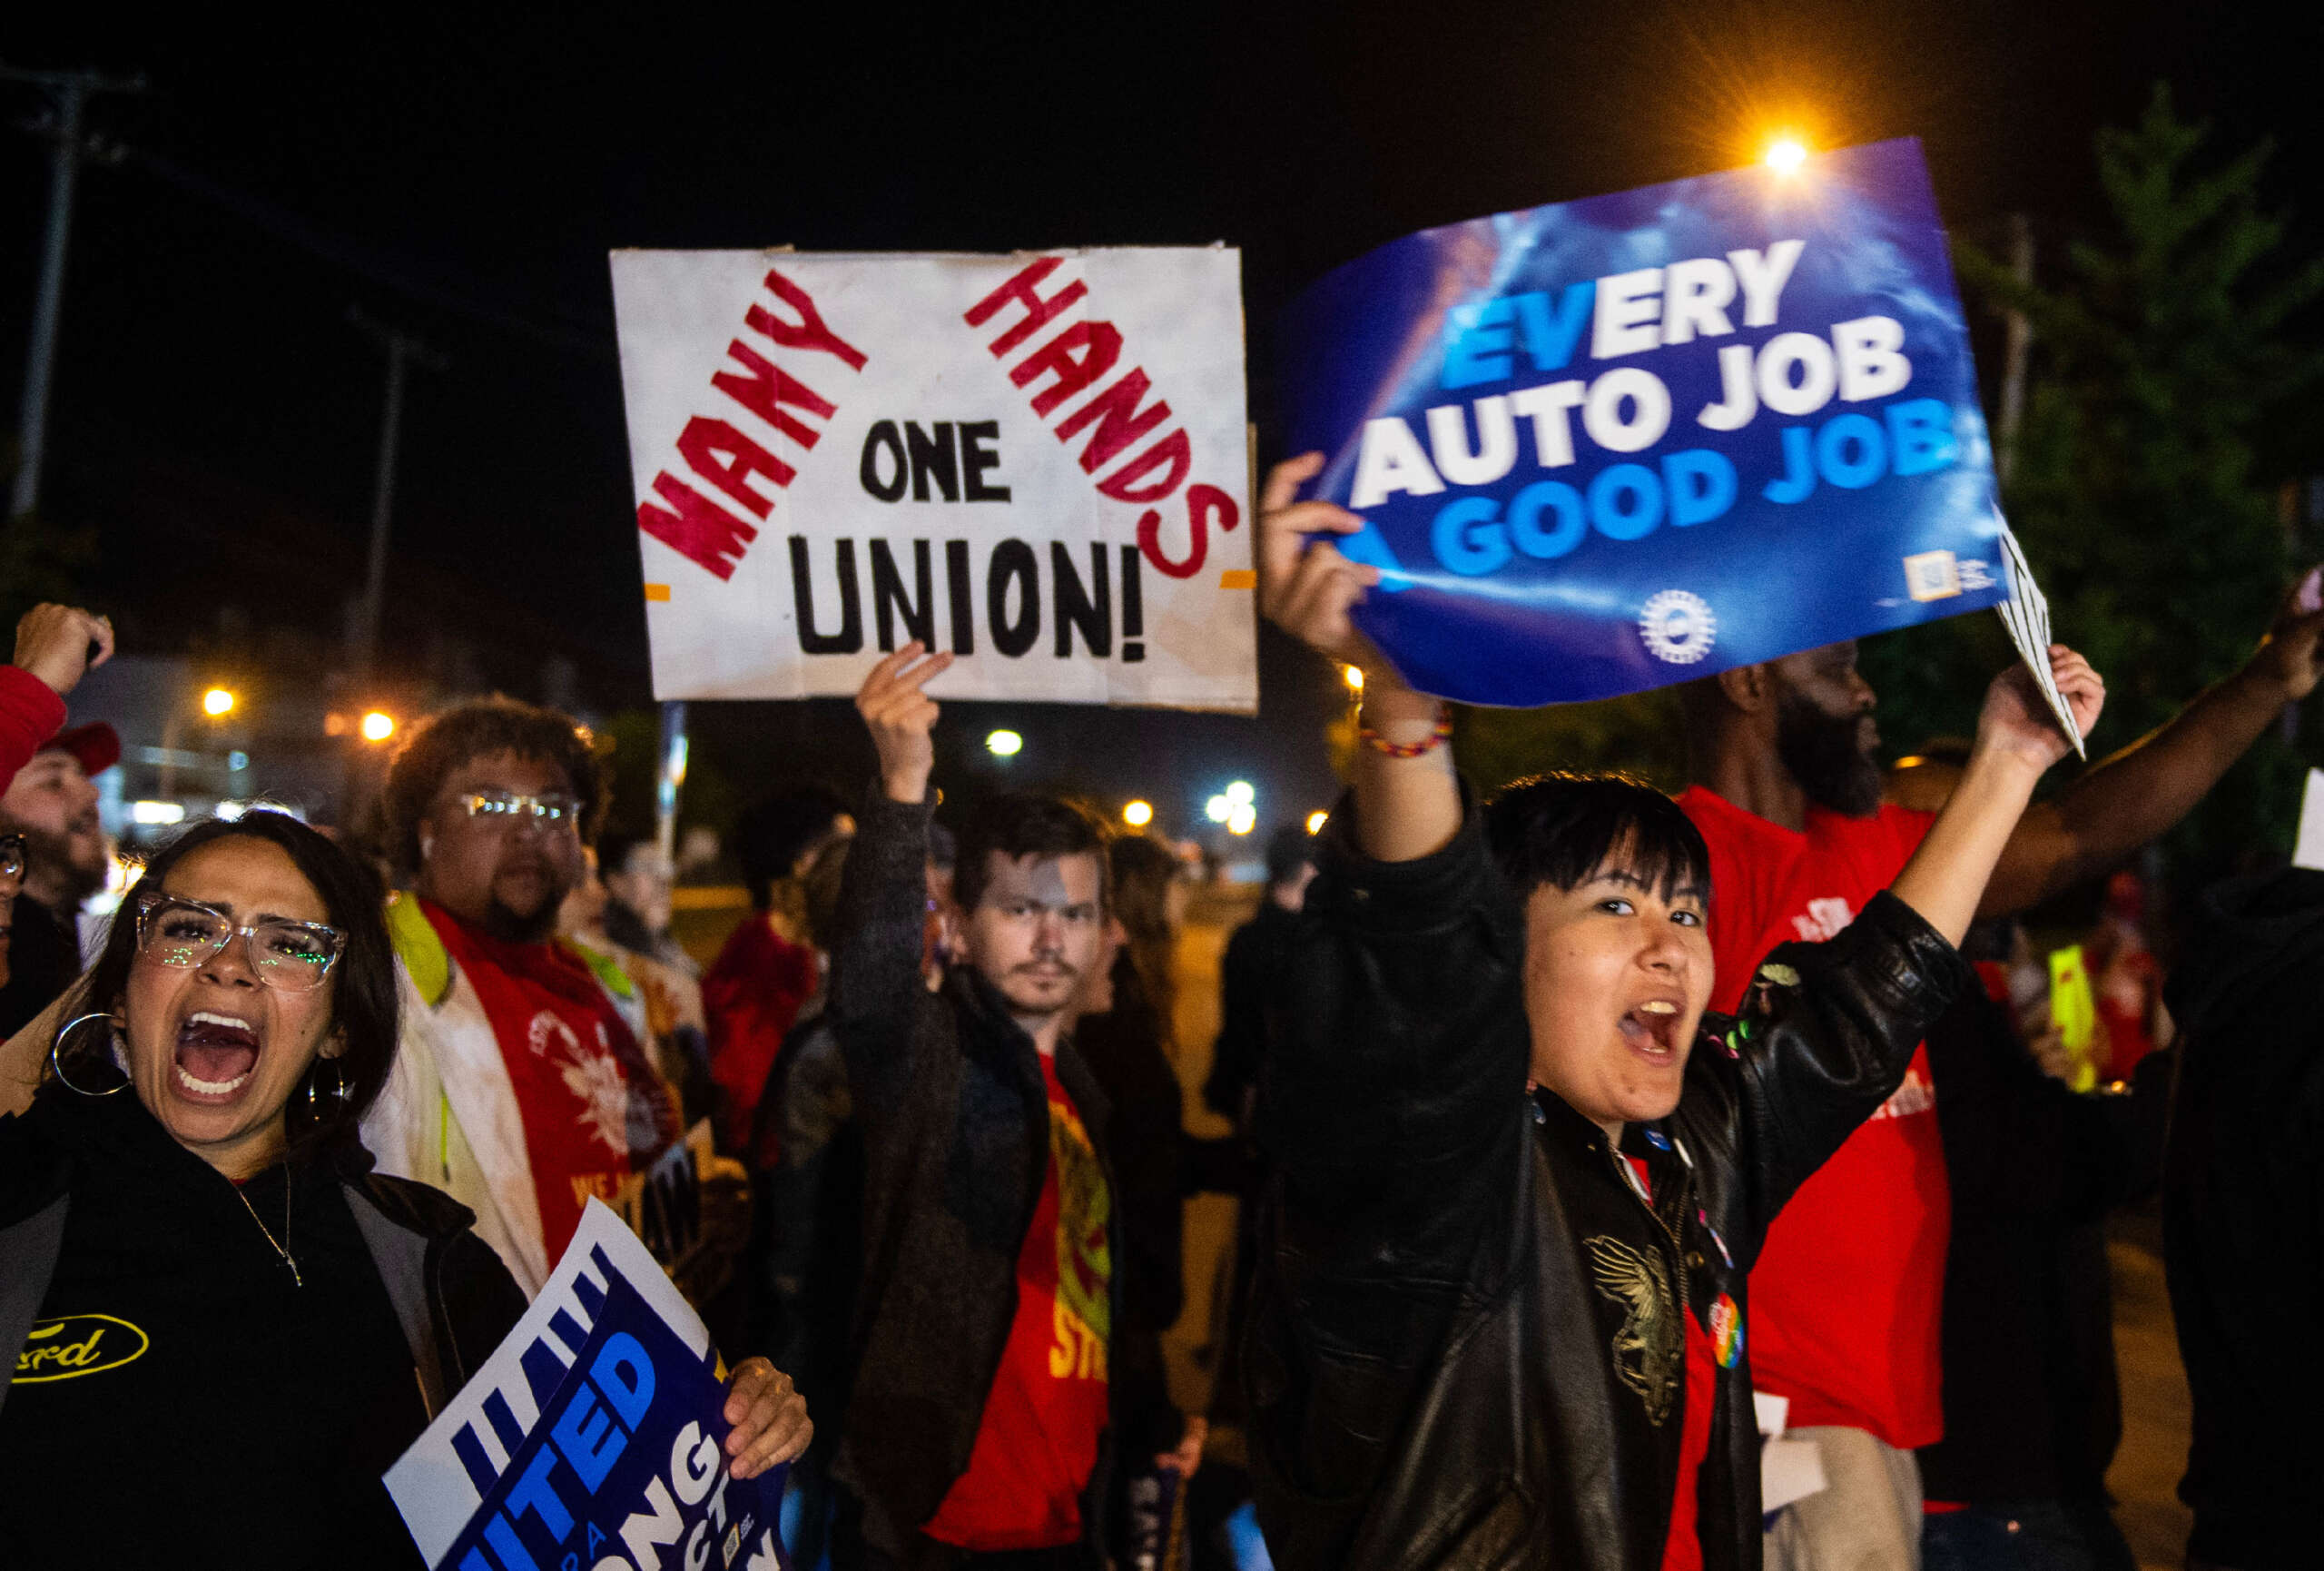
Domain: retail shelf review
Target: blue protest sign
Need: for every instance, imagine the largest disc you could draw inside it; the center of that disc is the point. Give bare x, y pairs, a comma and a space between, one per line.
593, 1438
1611, 444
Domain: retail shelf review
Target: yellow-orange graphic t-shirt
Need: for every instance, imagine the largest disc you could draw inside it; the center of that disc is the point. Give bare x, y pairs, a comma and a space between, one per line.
1038, 1441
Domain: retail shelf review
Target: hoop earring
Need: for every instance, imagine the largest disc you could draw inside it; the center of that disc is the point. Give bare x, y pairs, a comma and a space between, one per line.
57, 1065
340, 1092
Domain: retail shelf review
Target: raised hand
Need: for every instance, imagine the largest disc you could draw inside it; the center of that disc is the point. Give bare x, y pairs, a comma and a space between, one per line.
55, 644
902, 720
2288, 656
2017, 720
1408, 802
1306, 588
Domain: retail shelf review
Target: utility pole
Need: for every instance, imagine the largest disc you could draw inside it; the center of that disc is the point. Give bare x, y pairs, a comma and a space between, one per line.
68, 92
402, 349
2019, 339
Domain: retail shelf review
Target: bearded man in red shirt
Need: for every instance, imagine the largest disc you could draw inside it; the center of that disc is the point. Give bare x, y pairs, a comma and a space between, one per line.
1848, 1293
520, 1085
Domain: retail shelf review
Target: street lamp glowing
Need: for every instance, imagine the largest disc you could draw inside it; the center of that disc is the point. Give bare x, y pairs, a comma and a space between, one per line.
1218, 809
217, 701
1786, 154
379, 726
1242, 819
1316, 821
1137, 814
1004, 744
1239, 791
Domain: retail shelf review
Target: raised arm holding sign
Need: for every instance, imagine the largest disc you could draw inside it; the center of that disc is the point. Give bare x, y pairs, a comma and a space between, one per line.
997, 1379
1501, 1085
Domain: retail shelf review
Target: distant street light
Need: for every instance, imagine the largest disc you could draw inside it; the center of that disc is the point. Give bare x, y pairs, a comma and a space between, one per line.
1242, 819
379, 726
217, 701
1137, 814
1316, 820
1239, 791
1218, 809
1004, 744
1786, 154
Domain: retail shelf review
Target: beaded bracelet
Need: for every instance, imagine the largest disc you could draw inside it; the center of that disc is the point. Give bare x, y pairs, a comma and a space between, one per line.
1438, 736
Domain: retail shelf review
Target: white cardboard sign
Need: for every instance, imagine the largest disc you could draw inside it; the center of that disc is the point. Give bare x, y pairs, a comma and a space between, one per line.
1036, 461
2307, 847
2026, 615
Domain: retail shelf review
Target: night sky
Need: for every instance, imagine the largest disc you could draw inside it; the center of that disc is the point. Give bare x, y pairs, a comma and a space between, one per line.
216, 415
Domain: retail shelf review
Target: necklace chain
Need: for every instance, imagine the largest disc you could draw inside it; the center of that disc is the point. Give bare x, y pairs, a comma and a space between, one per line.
280, 1247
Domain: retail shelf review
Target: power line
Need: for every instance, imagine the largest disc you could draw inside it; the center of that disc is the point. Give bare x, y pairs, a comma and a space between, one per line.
363, 260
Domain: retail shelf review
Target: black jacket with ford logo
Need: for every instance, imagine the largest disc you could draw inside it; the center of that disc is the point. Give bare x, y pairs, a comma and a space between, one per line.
173, 1394
1466, 1348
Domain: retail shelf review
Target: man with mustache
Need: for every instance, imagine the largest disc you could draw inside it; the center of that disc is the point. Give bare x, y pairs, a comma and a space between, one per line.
994, 1378
1848, 1292
520, 1085
50, 804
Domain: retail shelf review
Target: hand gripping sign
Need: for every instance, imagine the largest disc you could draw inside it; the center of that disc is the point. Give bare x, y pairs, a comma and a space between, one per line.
1611, 444
1037, 462
594, 1436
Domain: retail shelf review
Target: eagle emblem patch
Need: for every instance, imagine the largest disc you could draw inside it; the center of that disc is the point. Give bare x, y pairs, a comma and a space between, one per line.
1648, 1346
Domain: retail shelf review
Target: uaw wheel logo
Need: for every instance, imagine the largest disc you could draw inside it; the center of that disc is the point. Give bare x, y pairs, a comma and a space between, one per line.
1678, 626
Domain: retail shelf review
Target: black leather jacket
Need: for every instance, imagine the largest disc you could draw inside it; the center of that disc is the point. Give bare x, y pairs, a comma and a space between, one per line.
1465, 1347
949, 1095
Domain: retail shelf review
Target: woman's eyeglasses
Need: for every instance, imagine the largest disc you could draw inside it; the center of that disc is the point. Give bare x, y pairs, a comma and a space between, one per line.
291, 955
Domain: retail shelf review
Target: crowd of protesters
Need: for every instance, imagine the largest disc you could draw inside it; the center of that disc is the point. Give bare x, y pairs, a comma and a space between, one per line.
1570, 1129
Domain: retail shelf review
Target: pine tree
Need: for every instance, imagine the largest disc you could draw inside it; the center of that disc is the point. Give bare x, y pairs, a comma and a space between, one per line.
2158, 354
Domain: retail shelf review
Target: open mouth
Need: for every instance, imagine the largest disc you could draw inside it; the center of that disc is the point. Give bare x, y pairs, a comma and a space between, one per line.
215, 1056
1651, 1029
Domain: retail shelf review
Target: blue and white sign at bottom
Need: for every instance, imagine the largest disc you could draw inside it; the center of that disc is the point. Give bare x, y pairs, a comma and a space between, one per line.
593, 1439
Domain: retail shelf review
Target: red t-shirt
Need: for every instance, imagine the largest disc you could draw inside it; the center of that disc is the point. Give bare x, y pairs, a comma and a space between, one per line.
595, 1111
1038, 1440
751, 995
2124, 990
1847, 1296
1682, 1549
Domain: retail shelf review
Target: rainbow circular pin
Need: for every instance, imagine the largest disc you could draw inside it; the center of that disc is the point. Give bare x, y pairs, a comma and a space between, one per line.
1726, 1331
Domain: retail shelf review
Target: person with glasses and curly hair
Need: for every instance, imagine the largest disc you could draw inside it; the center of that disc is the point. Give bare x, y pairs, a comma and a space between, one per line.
196, 1252
522, 1088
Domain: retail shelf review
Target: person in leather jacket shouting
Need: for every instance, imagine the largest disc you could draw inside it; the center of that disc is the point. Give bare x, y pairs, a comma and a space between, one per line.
1519, 1174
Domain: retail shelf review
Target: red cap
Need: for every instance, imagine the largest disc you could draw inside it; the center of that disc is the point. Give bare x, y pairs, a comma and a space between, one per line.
94, 747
